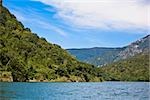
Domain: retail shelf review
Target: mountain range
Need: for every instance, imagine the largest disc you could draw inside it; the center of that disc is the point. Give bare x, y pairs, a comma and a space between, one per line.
100, 56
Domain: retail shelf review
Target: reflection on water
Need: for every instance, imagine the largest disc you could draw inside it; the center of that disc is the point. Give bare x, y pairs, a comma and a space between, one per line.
75, 91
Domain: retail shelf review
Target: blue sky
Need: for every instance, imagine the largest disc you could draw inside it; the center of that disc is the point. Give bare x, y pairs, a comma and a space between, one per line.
76, 24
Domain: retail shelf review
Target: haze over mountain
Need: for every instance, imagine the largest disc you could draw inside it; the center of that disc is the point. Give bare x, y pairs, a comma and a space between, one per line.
101, 56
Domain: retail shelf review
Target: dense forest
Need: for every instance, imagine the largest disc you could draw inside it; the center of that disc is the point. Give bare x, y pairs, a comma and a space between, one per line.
133, 69
24, 56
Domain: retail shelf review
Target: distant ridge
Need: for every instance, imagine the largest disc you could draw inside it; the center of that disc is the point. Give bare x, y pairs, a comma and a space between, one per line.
102, 55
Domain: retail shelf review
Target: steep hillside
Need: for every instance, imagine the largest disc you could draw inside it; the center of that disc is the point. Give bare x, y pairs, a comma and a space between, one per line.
26, 57
134, 48
133, 69
102, 56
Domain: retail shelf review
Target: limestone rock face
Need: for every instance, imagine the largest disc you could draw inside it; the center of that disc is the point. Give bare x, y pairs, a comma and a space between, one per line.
139, 46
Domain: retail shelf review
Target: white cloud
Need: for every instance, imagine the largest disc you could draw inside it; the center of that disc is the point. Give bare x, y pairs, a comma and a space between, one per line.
103, 14
37, 21
49, 27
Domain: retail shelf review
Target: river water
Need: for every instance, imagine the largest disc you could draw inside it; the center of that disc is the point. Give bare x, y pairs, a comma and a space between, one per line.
75, 91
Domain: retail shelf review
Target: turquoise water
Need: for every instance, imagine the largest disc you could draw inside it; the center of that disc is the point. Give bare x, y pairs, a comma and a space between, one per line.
75, 91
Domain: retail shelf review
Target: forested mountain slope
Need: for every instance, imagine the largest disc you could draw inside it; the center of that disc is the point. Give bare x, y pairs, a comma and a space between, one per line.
132, 69
26, 57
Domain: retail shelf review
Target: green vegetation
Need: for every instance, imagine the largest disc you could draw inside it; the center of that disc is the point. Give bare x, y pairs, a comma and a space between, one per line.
28, 57
133, 69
